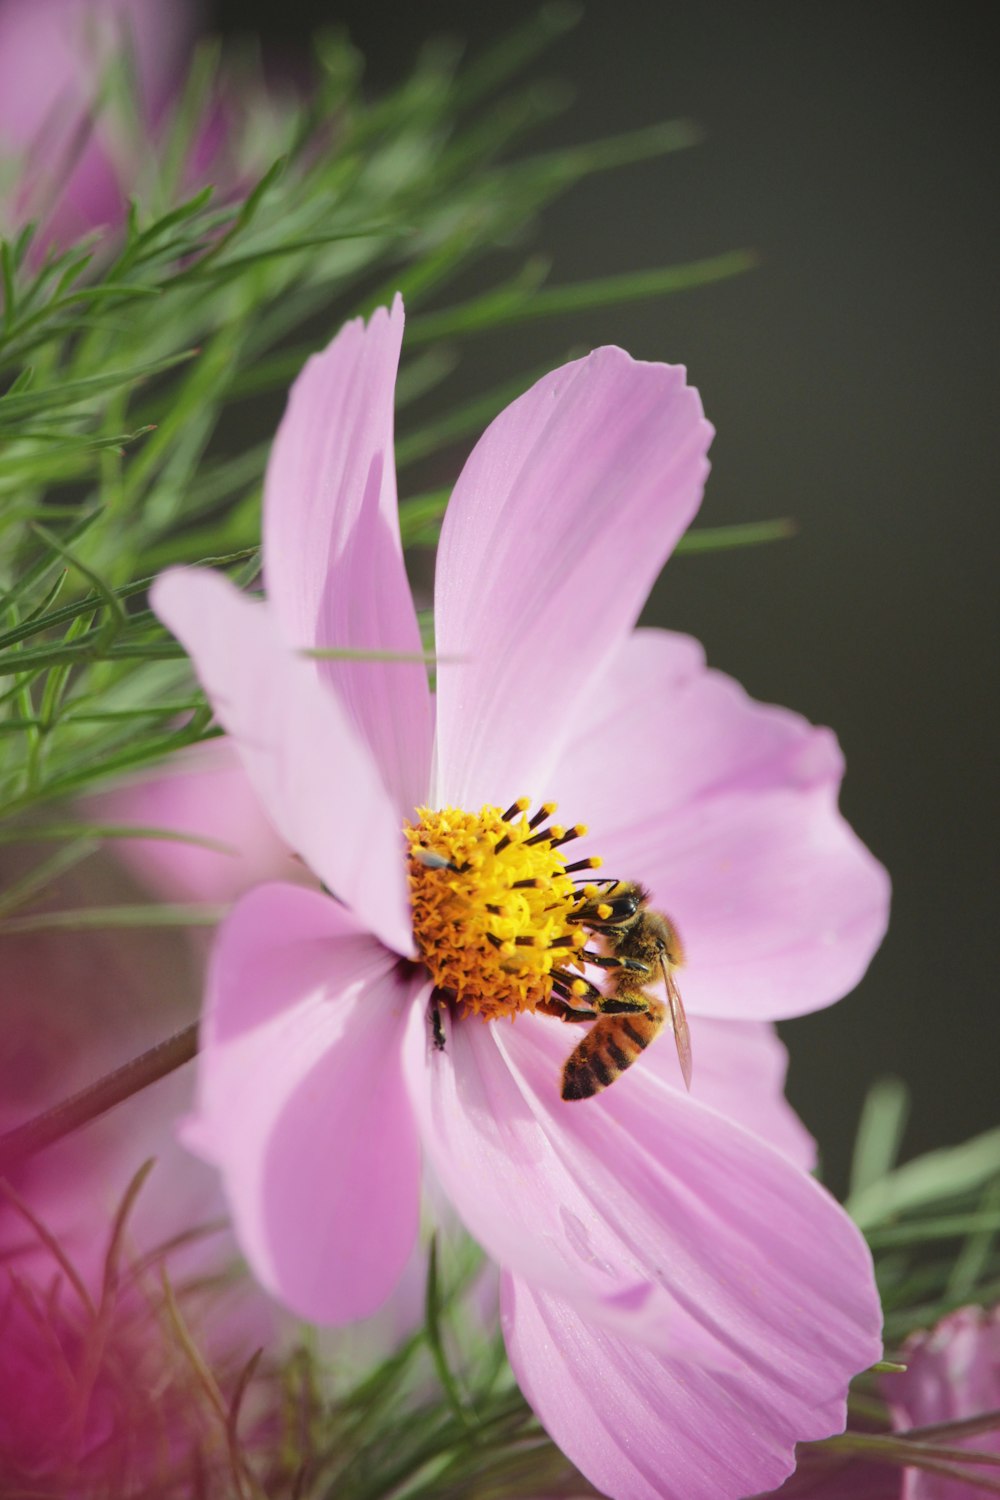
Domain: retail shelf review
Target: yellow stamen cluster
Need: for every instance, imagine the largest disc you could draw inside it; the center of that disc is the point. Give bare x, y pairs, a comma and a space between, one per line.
491, 901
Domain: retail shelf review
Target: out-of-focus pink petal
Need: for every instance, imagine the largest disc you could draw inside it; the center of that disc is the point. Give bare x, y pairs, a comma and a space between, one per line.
312, 772
204, 792
952, 1372
564, 514
739, 1070
643, 1426
53, 58
301, 1102
333, 561
746, 1258
728, 813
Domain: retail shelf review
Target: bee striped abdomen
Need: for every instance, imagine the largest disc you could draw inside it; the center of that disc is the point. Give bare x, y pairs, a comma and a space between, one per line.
611, 1045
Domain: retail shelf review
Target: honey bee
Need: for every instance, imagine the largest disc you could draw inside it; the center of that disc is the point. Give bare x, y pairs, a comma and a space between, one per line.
626, 1019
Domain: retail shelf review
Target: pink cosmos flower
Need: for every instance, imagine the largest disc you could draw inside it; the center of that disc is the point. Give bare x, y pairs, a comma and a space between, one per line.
681, 1301
953, 1373
74, 164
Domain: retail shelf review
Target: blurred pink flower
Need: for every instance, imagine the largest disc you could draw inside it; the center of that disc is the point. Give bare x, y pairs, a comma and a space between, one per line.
75, 1007
953, 1373
63, 159
203, 792
99, 1400
96, 1402
681, 1301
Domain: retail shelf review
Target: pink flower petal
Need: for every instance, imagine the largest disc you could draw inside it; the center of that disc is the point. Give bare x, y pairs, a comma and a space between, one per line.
700, 735
53, 65
779, 906
952, 1373
519, 1198
333, 561
301, 1102
562, 518
757, 1253
313, 774
643, 1426
739, 1070
728, 814
204, 792
741, 1254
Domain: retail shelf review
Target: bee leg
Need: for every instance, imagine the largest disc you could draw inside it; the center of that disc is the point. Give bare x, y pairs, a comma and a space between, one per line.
437, 1025
610, 1005
580, 989
564, 1011
612, 961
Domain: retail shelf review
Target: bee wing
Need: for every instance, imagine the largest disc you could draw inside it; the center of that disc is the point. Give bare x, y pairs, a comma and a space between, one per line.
678, 1020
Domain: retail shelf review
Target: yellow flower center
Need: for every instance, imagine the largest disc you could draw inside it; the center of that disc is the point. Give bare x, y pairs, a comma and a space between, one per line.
492, 898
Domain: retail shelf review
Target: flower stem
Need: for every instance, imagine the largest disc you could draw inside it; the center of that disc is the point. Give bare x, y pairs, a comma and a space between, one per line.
97, 1098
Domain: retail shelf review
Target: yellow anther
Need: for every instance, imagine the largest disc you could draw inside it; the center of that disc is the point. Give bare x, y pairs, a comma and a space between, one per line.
604, 911
492, 908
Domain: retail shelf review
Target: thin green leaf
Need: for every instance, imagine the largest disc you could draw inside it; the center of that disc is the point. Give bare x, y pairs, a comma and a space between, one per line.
40, 570
744, 534
36, 623
420, 517
511, 54
236, 264
471, 416
51, 1243
343, 653
23, 381
35, 832
880, 1133
17, 892
948, 1227
69, 393
96, 918
432, 1328
929, 1179
117, 619
973, 1260
9, 285
504, 310
113, 1254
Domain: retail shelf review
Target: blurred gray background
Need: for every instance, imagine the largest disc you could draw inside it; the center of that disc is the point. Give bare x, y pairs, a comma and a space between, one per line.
853, 382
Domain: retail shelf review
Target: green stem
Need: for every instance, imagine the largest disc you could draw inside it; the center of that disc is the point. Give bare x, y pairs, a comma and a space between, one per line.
90, 1103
